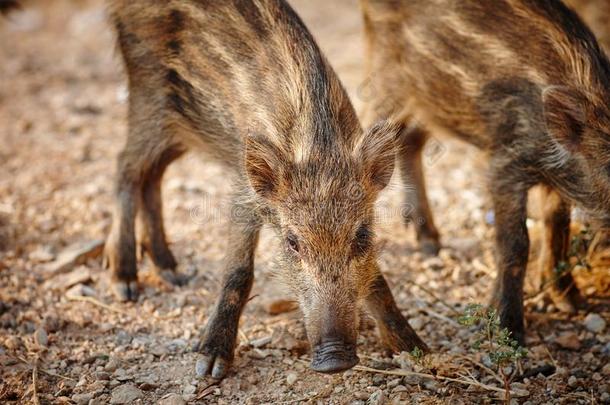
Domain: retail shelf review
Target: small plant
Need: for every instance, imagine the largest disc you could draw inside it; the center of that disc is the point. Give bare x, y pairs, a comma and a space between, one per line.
496, 342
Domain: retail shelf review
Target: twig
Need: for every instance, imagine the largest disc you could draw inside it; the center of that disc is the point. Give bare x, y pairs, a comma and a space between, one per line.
442, 317
403, 373
207, 390
93, 301
484, 367
243, 336
35, 399
42, 370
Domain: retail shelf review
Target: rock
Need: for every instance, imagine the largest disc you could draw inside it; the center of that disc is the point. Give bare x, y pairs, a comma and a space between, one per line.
159, 350
80, 275
568, 340
74, 255
417, 323
281, 306
112, 365
189, 389
82, 399
361, 395
572, 381
41, 338
594, 323
606, 369
42, 255
101, 375
378, 379
291, 378
376, 398
177, 345
122, 338
125, 394
172, 399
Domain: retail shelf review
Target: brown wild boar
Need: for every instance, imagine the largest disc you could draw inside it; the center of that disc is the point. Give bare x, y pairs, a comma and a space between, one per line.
245, 82
524, 80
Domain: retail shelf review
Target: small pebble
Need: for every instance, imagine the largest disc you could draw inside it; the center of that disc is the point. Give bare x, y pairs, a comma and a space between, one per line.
595, 323
125, 394
291, 378
572, 381
376, 398
41, 337
189, 389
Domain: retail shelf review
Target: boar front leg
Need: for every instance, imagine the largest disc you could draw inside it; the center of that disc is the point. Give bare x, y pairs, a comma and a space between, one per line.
554, 255
396, 333
412, 141
509, 196
220, 333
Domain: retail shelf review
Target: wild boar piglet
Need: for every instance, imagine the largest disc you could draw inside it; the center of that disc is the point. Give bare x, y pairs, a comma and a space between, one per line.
244, 82
525, 81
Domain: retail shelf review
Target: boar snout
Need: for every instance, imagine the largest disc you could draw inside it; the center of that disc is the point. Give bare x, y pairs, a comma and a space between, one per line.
335, 348
334, 356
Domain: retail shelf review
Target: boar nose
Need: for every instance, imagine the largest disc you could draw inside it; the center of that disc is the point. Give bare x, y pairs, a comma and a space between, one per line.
333, 354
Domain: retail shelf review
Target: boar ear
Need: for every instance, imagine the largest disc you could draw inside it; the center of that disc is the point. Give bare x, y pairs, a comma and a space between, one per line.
377, 152
565, 115
262, 161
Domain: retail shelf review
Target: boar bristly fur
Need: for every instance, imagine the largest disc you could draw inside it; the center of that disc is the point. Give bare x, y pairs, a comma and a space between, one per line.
244, 82
524, 80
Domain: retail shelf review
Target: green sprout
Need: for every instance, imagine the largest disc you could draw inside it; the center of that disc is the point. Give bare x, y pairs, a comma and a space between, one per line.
495, 341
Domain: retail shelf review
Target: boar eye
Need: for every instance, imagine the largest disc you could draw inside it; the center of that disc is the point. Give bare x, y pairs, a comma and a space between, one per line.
362, 242
293, 242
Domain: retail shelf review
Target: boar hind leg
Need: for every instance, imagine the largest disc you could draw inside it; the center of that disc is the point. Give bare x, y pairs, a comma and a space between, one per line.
396, 333
554, 255
412, 141
151, 232
220, 333
512, 244
120, 248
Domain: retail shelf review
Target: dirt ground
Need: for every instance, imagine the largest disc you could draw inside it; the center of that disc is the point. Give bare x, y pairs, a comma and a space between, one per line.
64, 340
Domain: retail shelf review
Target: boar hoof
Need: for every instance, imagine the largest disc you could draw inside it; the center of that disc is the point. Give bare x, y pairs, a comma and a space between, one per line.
568, 302
173, 278
125, 290
429, 247
213, 365
333, 357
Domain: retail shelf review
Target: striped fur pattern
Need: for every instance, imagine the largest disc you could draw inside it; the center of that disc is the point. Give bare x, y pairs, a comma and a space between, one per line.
244, 82
524, 80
